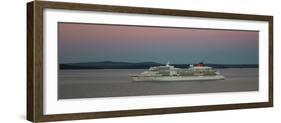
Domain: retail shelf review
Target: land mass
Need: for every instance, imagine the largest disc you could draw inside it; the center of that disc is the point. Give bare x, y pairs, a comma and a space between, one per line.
140, 65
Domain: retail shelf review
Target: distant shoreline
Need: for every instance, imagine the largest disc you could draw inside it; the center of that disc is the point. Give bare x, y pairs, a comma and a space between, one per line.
141, 65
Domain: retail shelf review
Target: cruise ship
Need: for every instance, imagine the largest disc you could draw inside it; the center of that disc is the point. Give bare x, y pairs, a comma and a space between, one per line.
171, 73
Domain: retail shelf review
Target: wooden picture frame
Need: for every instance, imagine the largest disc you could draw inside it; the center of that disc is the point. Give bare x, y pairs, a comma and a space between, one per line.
35, 59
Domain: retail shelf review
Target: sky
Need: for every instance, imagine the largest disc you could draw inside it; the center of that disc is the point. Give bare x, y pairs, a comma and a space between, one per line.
78, 42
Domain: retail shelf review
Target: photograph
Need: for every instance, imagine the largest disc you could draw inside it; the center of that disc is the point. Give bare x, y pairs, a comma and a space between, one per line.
98, 60
90, 61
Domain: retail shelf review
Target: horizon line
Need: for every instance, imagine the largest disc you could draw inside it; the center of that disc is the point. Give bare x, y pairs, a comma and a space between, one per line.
159, 63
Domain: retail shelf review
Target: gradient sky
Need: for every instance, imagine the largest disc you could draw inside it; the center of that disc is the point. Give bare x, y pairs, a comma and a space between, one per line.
93, 43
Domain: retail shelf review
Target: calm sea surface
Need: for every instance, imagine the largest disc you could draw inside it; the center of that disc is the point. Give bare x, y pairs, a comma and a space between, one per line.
116, 83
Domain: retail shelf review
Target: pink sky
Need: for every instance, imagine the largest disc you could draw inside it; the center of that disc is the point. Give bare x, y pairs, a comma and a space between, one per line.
92, 42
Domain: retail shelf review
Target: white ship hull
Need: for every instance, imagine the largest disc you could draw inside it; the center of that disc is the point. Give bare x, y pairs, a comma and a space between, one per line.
176, 78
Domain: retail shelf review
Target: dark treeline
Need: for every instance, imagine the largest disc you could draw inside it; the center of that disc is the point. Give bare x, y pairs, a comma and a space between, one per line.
141, 65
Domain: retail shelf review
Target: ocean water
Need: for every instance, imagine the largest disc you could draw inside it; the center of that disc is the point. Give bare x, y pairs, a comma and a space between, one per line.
116, 83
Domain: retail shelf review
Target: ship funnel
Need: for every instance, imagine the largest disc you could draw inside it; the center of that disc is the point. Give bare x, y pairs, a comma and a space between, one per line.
168, 64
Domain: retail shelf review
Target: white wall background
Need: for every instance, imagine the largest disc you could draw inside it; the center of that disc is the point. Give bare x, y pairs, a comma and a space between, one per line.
13, 61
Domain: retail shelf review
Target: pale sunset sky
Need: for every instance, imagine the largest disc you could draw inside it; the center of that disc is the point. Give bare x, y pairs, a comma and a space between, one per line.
97, 42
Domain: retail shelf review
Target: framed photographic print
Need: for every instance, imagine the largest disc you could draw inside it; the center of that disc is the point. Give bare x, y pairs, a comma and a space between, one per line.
96, 61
